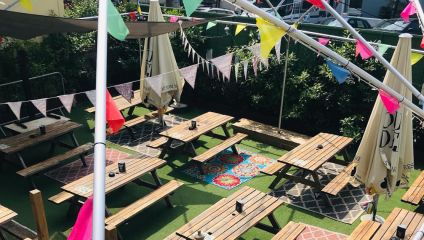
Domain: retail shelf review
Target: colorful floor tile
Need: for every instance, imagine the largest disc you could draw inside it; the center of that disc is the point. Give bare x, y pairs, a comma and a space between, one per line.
316, 233
228, 170
75, 170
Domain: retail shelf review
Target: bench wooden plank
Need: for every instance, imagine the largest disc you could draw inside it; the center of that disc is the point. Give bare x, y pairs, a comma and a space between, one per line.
36, 168
339, 182
158, 142
6, 214
415, 193
273, 168
269, 134
290, 232
144, 118
61, 197
141, 204
365, 230
220, 147
19, 231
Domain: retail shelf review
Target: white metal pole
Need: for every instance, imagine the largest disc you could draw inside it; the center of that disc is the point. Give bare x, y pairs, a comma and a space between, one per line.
99, 204
11, 5
375, 52
284, 83
294, 33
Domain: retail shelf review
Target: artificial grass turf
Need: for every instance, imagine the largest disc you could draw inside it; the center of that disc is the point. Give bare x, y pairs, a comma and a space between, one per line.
158, 221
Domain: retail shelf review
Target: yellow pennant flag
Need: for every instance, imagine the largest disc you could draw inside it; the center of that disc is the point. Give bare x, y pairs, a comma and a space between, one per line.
295, 25
138, 10
415, 57
239, 28
26, 4
270, 35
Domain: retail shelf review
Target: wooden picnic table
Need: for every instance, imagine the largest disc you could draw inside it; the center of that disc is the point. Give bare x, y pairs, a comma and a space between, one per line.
310, 156
122, 103
222, 221
6, 215
205, 124
34, 124
136, 166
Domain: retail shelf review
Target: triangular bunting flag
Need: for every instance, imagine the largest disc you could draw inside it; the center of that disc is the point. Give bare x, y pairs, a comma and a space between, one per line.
408, 11
207, 67
390, 103
339, 73
173, 19
236, 68
67, 101
83, 227
363, 50
211, 24
265, 61
125, 90
40, 104
382, 48
185, 44
189, 50
26, 4
113, 116
155, 83
139, 10
245, 65
115, 24
323, 41
270, 35
212, 68
193, 54
255, 49
16, 108
132, 16
203, 64
415, 57
239, 28
317, 3
255, 65
189, 74
223, 64
91, 96
198, 59
260, 66
278, 49
422, 43
191, 6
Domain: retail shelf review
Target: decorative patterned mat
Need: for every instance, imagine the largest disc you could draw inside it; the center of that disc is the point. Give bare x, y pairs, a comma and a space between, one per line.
75, 170
144, 133
228, 170
346, 206
316, 233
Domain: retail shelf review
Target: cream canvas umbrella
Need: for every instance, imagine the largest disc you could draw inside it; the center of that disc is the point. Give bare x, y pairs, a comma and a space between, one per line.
385, 159
158, 59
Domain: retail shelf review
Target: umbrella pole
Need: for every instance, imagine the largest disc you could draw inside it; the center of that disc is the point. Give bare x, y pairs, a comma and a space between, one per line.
284, 84
374, 212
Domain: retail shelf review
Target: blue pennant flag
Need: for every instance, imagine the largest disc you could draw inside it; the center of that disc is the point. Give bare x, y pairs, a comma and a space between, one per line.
339, 73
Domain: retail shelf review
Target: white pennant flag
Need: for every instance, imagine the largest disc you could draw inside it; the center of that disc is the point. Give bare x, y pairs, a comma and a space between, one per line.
16, 108
40, 104
223, 64
266, 63
217, 73
203, 64
91, 96
185, 44
212, 68
198, 58
256, 50
207, 67
155, 83
260, 66
67, 101
245, 64
192, 56
236, 67
189, 50
278, 49
189, 74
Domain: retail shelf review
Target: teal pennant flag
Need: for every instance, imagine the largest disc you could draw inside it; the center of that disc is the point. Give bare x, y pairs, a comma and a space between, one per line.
382, 48
211, 24
115, 24
191, 6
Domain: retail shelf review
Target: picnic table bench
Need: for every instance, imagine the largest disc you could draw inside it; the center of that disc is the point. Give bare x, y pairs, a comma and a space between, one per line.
365, 230
308, 158
15, 145
290, 232
415, 193
8, 225
34, 124
222, 221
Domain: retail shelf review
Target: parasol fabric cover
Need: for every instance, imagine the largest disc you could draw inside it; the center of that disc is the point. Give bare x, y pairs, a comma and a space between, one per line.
158, 58
385, 158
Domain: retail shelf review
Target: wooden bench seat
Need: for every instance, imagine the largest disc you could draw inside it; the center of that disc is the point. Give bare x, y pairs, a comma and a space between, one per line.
365, 230
19, 231
280, 138
143, 203
158, 142
36, 168
273, 168
230, 142
61, 197
415, 193
339, 182
290, 232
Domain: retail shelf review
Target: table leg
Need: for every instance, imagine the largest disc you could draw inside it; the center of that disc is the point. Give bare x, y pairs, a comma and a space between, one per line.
227, 134
72, 207
275, 228
108, 214
345, 155
131, 110
75, 142
165, 148
130, 132
159, 184
2, 155
280, 176
2, 234
319, 187
52, 147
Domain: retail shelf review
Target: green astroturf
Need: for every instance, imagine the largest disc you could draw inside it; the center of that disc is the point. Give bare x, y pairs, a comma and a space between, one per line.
158, 221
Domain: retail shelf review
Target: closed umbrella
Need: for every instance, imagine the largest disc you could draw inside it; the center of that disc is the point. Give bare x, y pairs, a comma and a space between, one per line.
158, 59
385, 159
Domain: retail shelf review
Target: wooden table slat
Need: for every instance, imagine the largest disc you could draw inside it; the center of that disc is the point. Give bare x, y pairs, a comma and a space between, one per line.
328, 153
303, 148
6, 214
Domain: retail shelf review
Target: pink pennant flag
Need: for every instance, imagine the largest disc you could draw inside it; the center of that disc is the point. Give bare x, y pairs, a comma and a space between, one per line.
16, 108
363, 50
408, 11
156, 83
255, 65
189, 74
173, 19
223, 64
40, 104
323, 41
125, 90
83, 228
390, 103
185, 44
67, 101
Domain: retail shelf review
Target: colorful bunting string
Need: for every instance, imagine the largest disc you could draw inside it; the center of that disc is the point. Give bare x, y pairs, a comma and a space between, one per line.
339, 73
382, 48
67, 101
236, 68
255, 65
389, 102
415, 57
91, 96
408, 11
239, 28
317, 3
270, 35
125, 90
363, 50
189, 74
191, 6
278, 50
211, 24
223, 64
173, 19
155, 83
41, 105
16, 108
245, 65
115, 24
26, 4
